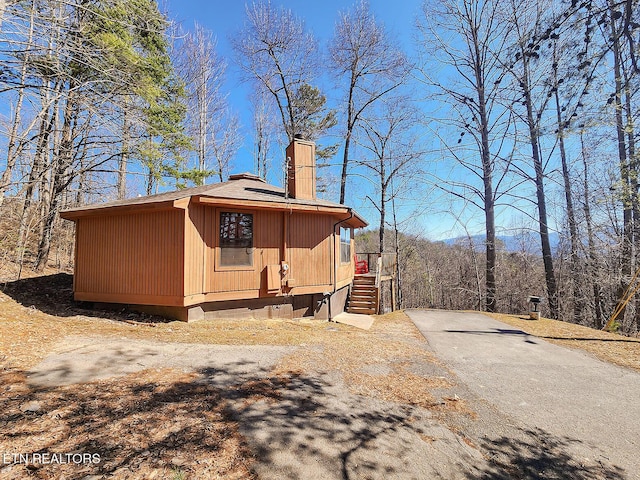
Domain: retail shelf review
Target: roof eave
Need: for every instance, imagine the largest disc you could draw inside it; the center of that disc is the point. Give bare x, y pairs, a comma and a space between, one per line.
357, 221
76, 213
271, 205
345, 213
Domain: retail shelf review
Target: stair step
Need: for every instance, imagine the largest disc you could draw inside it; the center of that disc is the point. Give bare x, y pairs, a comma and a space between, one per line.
364, 295
367, 301
361, 303
365, 288
361, 310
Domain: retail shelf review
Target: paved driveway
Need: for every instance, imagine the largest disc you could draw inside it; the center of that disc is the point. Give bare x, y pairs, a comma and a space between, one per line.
310, 428
563, 393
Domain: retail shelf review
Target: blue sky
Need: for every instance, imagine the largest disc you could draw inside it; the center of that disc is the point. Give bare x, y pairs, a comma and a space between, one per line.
224, 18
422, 209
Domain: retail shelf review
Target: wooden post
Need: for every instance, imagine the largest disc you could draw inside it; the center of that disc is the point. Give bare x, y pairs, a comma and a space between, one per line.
393, 295
284, 258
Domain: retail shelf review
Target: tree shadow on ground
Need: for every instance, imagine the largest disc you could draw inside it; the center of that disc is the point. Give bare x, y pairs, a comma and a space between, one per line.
594, 339
361, 438
53, 294
316, 429
536, 454
167, 423
143, 425
498, 331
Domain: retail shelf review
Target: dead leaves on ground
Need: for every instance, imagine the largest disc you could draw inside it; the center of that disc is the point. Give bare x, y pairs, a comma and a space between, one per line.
155, 424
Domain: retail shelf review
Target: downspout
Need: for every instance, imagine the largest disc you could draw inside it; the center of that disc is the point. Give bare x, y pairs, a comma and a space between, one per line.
335, 266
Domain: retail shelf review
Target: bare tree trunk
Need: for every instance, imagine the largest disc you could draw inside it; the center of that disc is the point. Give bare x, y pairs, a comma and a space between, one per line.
478, 66
488, 198
13, 148
626, 258
571, 217
592, 271
263, 131
398, 282
347, 139
47, 124
62, 161
541, 200
634, 181
382, 211
345, 165
124, 155
476, 271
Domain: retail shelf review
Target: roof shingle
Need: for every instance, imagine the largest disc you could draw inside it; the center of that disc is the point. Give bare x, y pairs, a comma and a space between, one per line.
239, 187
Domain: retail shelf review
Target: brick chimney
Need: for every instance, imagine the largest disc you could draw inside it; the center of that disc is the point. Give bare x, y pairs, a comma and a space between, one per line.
301, 174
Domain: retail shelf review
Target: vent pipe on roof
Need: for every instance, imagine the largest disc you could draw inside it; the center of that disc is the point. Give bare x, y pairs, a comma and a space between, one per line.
301, 169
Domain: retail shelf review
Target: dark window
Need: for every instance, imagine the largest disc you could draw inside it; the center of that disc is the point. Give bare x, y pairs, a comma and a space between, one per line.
345, 245
236, 239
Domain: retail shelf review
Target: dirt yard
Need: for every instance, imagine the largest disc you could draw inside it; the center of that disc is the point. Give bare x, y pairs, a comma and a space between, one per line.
125, 419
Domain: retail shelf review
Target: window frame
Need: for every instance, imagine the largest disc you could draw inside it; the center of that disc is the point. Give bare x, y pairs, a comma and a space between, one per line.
218, 240
343, 244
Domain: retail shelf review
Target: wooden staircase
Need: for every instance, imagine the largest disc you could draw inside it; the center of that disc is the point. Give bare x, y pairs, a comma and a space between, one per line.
364, 295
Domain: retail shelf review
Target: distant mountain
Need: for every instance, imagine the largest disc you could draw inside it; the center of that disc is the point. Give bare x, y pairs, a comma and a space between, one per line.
528, 241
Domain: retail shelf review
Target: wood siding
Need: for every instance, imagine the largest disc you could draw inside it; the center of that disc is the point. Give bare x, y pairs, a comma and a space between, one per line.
194, 242
267, 241
128, 257
309, 249
170, 257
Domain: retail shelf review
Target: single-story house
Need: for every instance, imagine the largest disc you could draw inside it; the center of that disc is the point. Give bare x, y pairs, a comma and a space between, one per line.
237, 248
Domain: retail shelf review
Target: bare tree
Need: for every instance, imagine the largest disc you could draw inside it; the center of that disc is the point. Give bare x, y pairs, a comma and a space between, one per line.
388, 138
202, 70
274, 49
530, 75
624, 73
16, 144
371, 65
225, 141
470, 39
264, 129
562, 128
592, 265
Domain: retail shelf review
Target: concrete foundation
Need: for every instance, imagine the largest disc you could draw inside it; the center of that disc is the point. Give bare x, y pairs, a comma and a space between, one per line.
320, 306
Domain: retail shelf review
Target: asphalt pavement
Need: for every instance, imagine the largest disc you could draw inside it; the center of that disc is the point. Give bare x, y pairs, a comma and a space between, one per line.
560, 393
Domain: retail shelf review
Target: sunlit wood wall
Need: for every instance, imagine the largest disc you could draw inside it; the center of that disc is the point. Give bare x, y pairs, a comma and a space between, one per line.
170, 257
134, 258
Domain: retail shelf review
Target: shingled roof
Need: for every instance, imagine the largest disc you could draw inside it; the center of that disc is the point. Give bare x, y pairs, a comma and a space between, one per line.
244, 187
